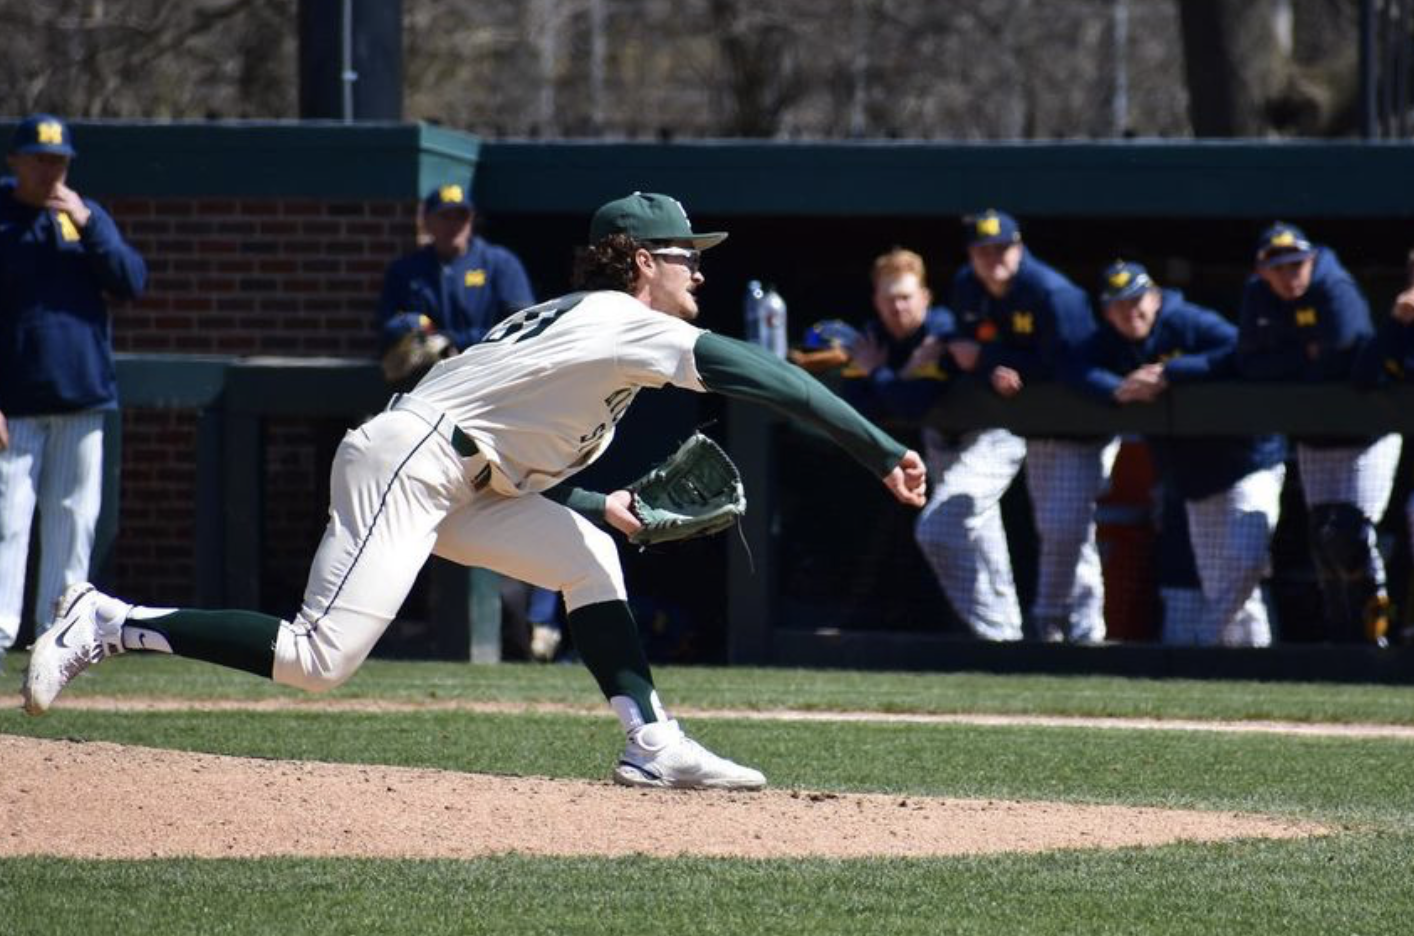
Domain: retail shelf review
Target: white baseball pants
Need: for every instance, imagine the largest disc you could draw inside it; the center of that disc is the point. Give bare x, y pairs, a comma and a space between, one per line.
1362, 475
1231, 533
399, 492
1064, 478
54, 463
960, 529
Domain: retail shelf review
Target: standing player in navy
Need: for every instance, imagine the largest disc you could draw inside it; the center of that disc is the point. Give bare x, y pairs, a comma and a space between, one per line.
457, 286
60, 254
1018, 322
1305, 319
471, 464
1231, 487
1389, 358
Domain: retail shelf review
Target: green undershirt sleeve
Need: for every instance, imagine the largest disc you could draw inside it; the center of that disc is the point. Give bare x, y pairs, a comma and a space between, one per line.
589, 504
737, 369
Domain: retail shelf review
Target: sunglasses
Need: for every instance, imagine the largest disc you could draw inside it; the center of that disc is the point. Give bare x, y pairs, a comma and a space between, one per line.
692, 259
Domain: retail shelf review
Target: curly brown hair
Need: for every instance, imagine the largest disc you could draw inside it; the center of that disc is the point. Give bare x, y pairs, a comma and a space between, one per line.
607, 264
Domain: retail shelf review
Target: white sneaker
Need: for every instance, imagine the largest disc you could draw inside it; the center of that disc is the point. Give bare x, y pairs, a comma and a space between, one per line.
73, 642
544, 643
660, 755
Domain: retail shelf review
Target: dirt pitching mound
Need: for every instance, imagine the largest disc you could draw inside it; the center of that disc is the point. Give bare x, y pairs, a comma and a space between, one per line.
100, 800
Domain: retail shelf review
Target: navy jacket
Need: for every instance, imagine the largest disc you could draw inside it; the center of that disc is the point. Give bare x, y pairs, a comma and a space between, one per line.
464, 298
56, 337
1389, 358
1193, 344
1315, 338
890, 393
1035, 329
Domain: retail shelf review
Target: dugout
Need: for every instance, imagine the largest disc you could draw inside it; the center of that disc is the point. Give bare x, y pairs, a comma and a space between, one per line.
269, 241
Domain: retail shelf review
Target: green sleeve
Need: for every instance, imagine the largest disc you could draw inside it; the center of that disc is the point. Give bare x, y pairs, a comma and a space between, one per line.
736, 369
588, 504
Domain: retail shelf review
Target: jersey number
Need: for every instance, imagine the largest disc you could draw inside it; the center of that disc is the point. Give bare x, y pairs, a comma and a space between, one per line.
527, 323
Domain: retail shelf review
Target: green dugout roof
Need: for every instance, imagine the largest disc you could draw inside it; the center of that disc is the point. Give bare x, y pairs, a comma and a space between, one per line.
1182, 179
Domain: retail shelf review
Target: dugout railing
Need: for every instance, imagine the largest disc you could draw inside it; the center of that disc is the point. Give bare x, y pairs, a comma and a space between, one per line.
233, 397
758, 632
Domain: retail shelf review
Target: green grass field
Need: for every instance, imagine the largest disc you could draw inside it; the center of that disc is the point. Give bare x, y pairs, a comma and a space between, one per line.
1358, 880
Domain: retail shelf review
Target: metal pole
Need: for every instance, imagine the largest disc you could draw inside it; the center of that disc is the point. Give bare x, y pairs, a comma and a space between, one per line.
347, 75
1400, 67
596, 64
1369, 127
1119, 114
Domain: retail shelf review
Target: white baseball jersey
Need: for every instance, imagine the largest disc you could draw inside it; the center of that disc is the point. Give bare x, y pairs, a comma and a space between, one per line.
542, 393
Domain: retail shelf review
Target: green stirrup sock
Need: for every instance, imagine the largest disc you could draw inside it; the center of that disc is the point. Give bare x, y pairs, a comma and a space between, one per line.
607, 640
243, 640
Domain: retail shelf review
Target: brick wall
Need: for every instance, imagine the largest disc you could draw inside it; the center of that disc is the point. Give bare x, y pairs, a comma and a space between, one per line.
259, 276
289, 277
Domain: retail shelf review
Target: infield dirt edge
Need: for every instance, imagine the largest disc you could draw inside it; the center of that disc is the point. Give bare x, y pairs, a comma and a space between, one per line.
97, 800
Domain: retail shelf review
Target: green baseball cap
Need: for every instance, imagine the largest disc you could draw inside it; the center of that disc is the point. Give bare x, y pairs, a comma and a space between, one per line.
646, 216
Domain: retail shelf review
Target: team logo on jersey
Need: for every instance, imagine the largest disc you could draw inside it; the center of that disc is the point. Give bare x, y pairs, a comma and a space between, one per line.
987, 331
67, 230
50, 133
1305, 317
474, 278
1169, 356
1023, 323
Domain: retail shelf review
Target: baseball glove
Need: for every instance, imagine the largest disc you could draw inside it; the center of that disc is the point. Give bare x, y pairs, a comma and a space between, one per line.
696, 491
826, 346
414, 354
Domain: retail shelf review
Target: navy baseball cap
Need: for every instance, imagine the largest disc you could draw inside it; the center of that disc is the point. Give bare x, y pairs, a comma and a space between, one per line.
1282, 243
42, 133
646, 216
990, 227
1124, 280
451, 197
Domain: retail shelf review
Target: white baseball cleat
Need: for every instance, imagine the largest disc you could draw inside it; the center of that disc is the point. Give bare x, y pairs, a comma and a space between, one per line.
660, 755
74, 641
544, 643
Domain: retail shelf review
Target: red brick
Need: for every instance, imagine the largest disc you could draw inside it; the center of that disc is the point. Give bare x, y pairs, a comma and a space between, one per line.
301, 207
191, 304
259, 206
130, 207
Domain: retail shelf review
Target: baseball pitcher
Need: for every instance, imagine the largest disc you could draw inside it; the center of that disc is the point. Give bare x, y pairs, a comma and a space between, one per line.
472, 464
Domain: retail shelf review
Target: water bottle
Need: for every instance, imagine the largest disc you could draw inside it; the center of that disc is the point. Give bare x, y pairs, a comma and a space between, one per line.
753, 311
765, 313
